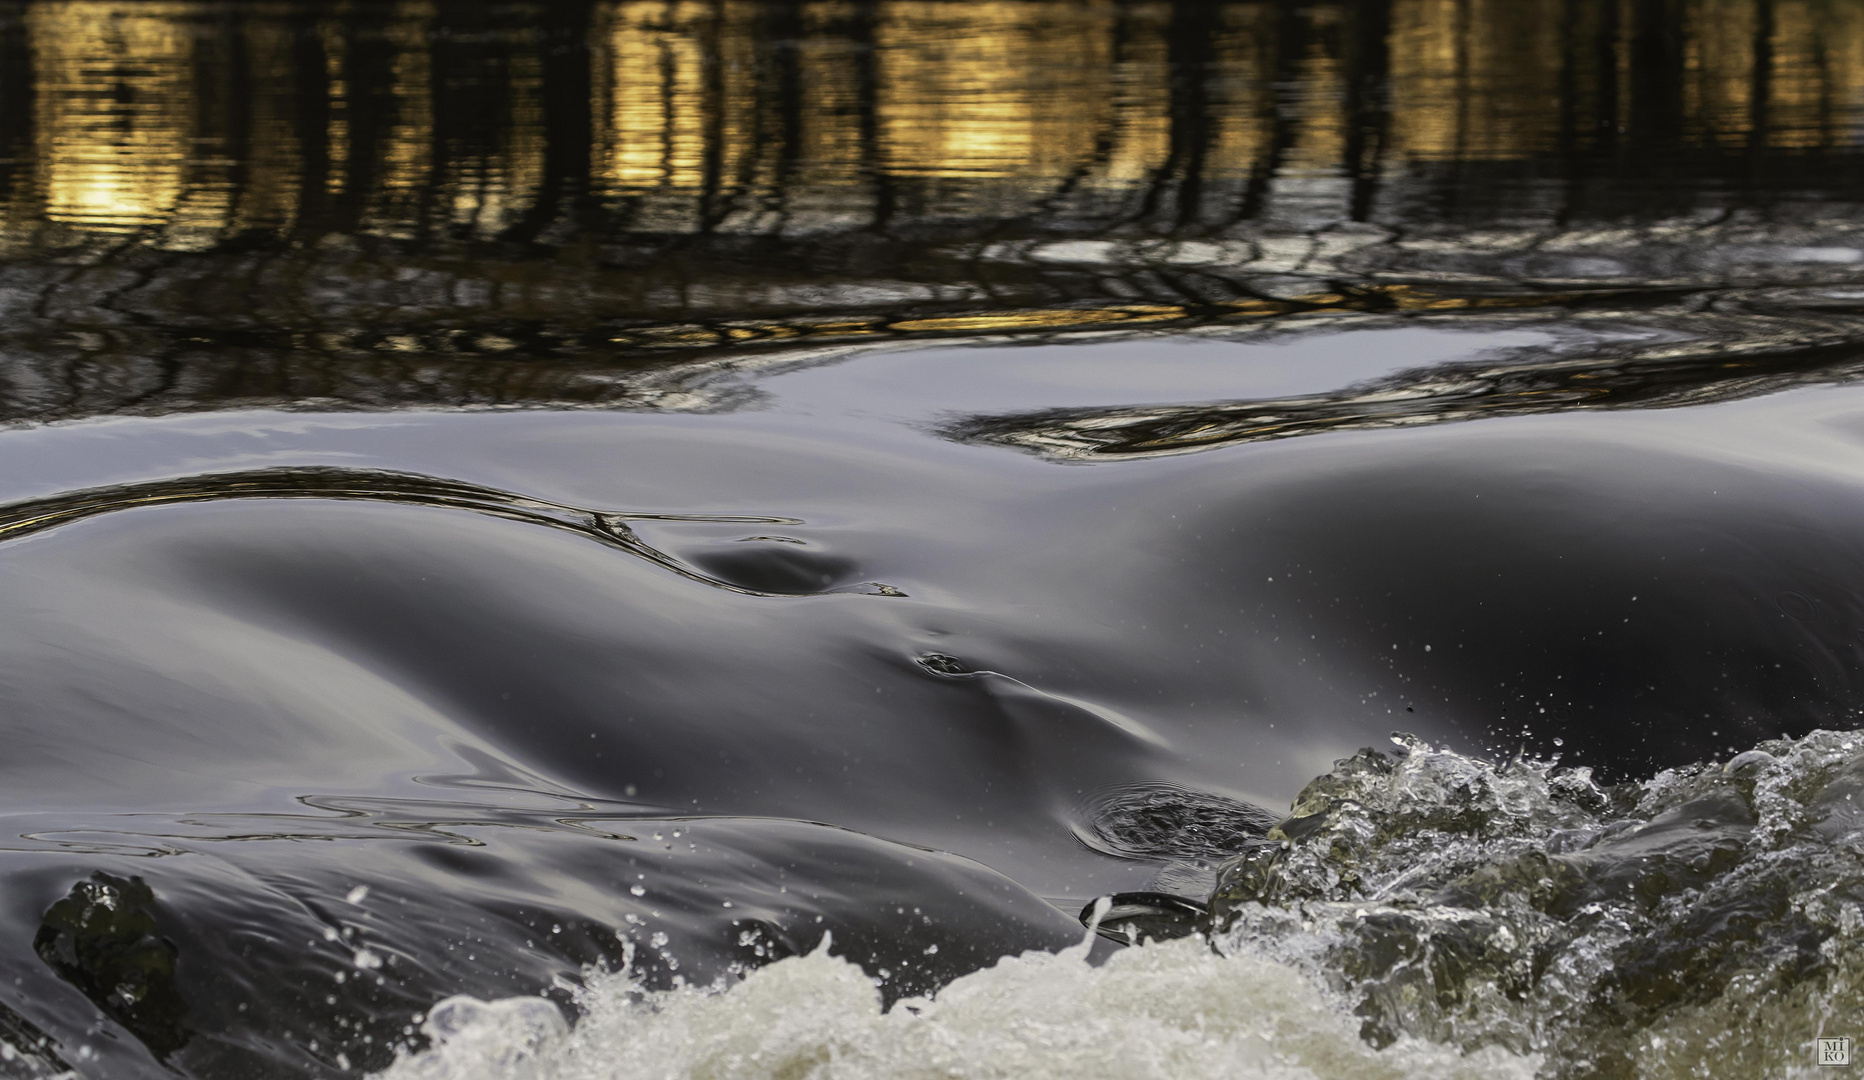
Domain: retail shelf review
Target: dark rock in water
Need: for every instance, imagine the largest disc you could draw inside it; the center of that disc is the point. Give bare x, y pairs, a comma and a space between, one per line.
104, 940
269, 957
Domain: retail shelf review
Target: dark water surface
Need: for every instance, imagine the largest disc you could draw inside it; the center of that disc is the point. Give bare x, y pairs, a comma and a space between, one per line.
489, 489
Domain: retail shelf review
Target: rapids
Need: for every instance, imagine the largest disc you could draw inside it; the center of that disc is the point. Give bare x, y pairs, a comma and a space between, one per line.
621, 537
1471, 919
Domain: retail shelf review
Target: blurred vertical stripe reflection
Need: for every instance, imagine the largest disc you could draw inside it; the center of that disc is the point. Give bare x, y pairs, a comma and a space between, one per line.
186, 125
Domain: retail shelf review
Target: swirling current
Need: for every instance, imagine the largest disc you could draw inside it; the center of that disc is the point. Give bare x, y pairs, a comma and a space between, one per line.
931, 538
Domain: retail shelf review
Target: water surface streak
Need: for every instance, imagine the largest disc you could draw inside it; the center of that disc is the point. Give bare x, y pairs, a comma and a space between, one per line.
603, 526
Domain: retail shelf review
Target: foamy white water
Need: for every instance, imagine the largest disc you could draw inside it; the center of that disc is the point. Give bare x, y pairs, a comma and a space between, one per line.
1708, 922
1168, 1010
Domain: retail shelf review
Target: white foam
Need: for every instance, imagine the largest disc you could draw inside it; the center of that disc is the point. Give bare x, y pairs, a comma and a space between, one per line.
1171, 1010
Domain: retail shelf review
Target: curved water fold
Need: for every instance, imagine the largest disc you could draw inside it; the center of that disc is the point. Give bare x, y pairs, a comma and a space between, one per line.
610, 527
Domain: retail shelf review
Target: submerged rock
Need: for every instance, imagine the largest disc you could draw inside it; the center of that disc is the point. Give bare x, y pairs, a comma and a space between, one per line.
103, 939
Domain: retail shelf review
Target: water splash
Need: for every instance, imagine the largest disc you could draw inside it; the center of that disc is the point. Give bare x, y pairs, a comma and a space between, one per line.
1420, 913
1706, 917
1173, 1011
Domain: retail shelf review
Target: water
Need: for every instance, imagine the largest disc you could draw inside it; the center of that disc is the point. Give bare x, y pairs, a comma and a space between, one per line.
1513, 920
700, 538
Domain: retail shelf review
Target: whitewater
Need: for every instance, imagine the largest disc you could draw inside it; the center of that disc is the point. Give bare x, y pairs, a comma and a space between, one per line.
1422, 913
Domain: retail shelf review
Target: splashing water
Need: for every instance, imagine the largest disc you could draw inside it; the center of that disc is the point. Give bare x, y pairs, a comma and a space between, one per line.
1168, 1010
1701, 923
1420, 913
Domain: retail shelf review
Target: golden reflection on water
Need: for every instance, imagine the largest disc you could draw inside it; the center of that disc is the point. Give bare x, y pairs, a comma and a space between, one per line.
185, 124
114, 90
406, 150
652, 95
959, 95
1466, 94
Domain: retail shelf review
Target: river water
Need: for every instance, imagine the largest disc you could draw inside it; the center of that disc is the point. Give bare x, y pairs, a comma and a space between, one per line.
611, 539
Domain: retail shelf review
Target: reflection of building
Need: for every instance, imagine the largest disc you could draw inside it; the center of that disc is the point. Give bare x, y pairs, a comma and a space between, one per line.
656, 116
362, 192
1474, 79
188, 124
115, 116
957, 96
